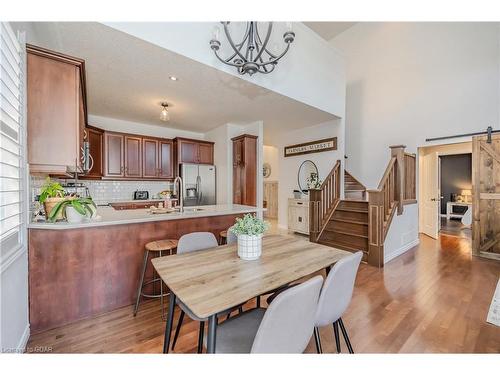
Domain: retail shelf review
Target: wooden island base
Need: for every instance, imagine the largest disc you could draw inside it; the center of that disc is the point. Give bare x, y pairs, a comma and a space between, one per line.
79, 273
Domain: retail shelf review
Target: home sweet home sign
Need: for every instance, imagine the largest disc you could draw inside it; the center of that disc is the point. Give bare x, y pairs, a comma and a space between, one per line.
327, 144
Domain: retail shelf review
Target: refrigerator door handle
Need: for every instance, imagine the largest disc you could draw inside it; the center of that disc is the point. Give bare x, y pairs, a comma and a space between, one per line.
200, 193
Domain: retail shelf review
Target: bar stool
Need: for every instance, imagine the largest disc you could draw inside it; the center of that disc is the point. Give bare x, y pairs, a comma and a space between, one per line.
159, 247
223, 237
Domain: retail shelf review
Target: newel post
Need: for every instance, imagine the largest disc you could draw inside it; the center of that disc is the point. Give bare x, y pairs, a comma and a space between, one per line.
376, 216
314, 216
399, 153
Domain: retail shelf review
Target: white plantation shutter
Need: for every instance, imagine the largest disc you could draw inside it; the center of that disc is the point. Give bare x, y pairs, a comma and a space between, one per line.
11, 141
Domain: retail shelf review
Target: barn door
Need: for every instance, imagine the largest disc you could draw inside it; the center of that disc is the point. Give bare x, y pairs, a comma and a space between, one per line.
486, 196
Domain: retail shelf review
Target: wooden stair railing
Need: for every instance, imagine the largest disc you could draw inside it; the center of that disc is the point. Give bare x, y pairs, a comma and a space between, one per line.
384, 202
322, 202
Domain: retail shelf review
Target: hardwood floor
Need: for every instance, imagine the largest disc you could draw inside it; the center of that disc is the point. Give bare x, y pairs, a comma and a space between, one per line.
433, 299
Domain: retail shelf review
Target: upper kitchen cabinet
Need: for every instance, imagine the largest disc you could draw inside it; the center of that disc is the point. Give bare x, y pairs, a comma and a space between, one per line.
194, 151
56, 111
114, 161
133, 156
95, 138
166, 159
157, 158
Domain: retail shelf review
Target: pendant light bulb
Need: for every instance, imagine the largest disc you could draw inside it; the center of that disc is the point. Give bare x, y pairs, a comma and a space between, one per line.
164, 115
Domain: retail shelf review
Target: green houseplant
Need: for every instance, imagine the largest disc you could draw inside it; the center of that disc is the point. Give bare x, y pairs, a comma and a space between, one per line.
51, 193
249, 230
73, 209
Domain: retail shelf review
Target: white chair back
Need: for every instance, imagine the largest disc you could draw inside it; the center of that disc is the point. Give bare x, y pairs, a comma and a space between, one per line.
337, 290
196, 241
288, 323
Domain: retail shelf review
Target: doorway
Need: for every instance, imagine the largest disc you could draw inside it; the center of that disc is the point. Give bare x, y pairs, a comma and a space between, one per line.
445, 188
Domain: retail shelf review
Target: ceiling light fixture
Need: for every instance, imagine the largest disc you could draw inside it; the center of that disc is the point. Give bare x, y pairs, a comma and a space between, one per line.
173, 78
252, 55
164, 116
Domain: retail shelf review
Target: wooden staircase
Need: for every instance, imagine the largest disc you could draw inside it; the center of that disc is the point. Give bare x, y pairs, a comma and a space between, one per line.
353, 189
357, 223
347, 228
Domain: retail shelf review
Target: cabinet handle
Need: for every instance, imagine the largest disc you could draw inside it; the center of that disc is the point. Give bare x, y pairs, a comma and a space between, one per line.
300, 219
300, 203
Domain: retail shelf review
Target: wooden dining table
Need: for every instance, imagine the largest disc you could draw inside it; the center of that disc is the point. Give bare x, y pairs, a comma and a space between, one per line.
216, 279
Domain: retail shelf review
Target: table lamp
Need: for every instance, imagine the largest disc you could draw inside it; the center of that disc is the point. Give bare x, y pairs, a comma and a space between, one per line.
467, 194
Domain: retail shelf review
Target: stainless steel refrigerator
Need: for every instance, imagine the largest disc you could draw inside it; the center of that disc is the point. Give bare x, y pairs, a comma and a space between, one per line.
199, 184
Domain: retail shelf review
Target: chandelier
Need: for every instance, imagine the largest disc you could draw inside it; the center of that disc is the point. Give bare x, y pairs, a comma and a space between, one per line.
252, 54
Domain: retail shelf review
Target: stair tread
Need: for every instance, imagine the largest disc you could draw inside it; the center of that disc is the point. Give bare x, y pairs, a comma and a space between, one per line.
340, 245
361, 189
354, 200
349, 221
352, 210
346, 233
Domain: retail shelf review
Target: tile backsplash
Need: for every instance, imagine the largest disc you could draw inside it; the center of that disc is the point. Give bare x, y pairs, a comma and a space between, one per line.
114, 191
103, 192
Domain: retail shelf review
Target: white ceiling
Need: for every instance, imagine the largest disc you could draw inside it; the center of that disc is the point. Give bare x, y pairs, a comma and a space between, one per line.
329, 30
128, 78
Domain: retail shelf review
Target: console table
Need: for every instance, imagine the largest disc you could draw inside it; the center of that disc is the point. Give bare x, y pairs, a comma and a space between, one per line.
449, 209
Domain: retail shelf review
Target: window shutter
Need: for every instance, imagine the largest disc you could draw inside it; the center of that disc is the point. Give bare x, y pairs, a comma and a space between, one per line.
11, 140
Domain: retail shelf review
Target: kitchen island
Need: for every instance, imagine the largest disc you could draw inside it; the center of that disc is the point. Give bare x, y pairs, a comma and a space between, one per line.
82, 270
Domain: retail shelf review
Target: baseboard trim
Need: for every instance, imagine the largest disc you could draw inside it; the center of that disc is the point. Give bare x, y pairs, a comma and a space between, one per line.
403, 249
24, 339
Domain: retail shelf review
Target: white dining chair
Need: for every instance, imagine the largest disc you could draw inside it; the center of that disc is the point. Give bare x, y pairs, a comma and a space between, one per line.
188, 243
231, 237
335, 297
286, 326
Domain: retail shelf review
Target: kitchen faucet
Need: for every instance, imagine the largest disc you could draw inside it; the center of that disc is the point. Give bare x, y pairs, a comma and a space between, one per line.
180, 196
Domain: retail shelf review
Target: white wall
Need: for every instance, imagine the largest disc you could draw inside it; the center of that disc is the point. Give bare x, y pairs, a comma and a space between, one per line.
289, 166
271, 156
223, 157
312, 72
124, 126
410, 81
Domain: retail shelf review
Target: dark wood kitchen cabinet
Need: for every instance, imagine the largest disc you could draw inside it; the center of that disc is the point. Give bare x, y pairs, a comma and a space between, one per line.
194, 151
157, 158
95, 138
245, 170
166, 159
113, 155
150, 162
133, 156
56, 111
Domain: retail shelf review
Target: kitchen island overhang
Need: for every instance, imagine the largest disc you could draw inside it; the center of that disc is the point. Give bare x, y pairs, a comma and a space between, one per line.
82, 270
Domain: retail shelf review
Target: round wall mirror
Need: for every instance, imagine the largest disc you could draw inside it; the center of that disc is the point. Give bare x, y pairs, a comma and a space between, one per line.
266, 170
307, 171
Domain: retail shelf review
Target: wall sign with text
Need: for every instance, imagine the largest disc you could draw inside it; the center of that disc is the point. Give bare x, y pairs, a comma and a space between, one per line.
327, 144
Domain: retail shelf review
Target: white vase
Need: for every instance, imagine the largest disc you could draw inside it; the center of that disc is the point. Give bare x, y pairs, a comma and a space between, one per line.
249, 247
73, 216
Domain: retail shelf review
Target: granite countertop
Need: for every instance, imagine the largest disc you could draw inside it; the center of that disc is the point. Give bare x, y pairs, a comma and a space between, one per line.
110, 216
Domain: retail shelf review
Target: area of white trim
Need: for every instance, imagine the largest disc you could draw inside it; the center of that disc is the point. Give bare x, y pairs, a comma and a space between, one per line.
23, 341
11, 257
403, 249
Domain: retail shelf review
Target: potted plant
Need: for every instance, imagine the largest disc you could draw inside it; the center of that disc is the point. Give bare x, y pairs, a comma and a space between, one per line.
249, 230
74, 210
313, 181
51, 193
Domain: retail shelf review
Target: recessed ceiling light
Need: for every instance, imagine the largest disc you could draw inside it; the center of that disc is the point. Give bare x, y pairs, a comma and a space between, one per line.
173, 78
